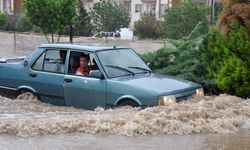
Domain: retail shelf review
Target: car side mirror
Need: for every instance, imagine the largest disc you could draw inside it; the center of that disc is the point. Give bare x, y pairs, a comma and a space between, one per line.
96, 74
25, 63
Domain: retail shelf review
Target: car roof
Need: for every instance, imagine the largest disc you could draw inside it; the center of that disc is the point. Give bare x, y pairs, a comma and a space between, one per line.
86, 47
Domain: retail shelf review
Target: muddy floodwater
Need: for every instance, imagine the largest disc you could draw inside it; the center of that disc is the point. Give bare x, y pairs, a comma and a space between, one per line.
221, 122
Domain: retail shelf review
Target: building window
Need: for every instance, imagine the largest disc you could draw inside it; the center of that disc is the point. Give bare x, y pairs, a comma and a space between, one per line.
7, 6
163, 8
127, 8
138, 7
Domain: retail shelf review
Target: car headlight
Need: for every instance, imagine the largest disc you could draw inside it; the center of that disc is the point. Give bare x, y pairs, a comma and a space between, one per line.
166, 100
200, 92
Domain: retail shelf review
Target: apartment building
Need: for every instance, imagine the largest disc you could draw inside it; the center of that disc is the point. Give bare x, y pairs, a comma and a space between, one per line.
137, 8
11, 6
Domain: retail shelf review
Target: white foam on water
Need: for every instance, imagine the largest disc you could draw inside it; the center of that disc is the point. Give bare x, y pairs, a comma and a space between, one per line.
220, 114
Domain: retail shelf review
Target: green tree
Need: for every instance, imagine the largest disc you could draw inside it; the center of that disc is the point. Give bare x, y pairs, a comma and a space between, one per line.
185, 61
52, 16
3, 21
108, 17
23, 24
82, 25
148, 27
181, 19
227, 59
226, 56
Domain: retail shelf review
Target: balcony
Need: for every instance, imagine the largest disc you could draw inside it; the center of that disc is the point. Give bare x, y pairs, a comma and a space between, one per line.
151, 14
148, 1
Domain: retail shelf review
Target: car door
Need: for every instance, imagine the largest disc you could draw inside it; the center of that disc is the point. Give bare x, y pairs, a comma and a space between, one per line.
81, 91
47, 76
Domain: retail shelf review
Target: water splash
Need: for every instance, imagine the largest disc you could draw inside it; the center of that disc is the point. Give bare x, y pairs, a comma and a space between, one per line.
221, 114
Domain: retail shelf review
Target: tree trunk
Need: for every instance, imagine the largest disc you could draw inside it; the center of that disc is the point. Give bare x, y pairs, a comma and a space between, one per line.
46, 37
70, 34
52, 37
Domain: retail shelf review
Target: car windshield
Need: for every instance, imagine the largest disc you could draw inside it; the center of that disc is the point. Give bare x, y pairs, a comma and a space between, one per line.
122, 62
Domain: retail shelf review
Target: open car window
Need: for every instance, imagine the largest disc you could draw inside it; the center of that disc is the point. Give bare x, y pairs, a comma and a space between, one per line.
74, 62
51, 61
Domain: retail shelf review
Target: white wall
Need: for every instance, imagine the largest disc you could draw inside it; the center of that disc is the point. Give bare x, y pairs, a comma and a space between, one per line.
1, 5
135, 16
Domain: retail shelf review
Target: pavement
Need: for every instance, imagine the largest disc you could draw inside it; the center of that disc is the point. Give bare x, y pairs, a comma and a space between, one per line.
25, 43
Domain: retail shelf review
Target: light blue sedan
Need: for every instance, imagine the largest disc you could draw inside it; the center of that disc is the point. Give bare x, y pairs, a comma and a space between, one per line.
118, 77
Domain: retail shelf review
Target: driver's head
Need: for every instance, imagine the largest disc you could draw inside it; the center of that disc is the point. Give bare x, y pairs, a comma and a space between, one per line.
63, 55
84, 60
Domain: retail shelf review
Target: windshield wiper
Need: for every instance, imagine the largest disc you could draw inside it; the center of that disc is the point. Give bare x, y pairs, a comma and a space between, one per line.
121, 68
140, 68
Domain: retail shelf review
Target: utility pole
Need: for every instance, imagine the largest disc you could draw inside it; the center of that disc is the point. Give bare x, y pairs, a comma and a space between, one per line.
212, 11
71, 34
14, 24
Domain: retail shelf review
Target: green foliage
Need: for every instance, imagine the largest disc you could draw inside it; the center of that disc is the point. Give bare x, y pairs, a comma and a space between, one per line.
108, 17
3, 21
184, 61
181, 19
52, 16
7, 22
23, 24
148, 27
10, 23
82, 25
227, 60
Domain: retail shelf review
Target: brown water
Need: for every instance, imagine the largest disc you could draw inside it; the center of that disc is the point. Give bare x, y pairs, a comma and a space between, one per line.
221, 122
223, 114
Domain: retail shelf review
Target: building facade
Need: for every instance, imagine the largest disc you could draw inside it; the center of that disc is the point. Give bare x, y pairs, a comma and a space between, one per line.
11, 6
137, 8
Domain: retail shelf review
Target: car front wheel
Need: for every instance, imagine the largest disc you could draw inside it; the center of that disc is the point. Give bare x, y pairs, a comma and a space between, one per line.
23, 95
128, 103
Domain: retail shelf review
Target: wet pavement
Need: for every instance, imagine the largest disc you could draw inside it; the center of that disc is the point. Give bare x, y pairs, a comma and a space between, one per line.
26, 43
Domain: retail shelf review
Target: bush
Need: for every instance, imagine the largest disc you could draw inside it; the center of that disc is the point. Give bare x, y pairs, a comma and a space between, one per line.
23, 24
148, 27
227, 59
184, 61
180, 20
10, 23
3, 21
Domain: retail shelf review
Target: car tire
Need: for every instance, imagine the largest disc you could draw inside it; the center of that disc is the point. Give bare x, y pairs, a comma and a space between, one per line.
23, 95
128, 103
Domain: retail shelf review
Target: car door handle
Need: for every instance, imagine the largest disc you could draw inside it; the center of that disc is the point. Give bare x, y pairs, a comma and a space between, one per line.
33, 75
68, 80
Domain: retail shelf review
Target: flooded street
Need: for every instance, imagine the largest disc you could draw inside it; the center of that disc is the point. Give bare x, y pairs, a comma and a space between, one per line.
211, 122
239, 141
221, 122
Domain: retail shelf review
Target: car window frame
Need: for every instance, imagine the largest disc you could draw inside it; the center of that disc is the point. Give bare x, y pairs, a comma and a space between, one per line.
85, 52
114, 49
45, 52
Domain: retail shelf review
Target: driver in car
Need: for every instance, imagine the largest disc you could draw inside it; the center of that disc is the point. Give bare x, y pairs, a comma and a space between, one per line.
83, 69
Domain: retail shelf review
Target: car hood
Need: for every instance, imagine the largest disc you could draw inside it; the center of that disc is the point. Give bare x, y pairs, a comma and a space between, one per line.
160, 84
